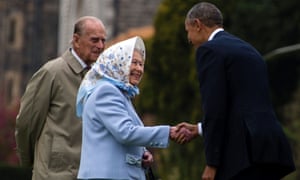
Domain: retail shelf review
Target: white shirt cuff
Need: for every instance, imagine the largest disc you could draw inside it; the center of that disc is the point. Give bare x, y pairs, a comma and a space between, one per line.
200, 128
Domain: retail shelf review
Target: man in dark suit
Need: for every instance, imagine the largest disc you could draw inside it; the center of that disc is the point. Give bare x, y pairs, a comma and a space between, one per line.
242, 137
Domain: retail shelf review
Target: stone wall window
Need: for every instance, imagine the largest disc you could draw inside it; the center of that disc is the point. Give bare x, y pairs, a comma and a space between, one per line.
15, 26
11, 88
12, 31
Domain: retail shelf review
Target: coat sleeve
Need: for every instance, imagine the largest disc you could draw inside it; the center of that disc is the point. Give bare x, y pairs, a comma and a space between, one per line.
111, 109
212, 79
32, 115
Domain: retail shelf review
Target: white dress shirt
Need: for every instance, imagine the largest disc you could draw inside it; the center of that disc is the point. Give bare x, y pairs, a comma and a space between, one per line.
78, 58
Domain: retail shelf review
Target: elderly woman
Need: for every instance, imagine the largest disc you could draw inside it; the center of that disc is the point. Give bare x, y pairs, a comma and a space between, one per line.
114, 137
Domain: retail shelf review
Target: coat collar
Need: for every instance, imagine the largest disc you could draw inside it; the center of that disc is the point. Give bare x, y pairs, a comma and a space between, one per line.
213, 34
72, 62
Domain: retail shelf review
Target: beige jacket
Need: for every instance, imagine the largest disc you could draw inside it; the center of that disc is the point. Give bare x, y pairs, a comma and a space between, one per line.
48, 133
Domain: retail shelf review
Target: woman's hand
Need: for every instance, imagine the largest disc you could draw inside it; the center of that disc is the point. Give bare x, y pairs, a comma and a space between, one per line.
147, 159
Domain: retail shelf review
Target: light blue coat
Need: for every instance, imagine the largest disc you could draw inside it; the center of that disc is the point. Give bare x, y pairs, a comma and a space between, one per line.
114, 138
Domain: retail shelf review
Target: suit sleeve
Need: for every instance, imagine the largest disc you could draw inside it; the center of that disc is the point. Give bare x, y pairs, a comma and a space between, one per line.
32, 115
212, 79
113, 113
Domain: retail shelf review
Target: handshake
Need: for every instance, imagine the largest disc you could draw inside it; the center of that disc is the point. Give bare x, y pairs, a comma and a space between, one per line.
183, 132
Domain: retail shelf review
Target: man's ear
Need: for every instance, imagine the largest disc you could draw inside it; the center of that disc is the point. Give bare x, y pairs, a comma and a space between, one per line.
198, 24
75, 39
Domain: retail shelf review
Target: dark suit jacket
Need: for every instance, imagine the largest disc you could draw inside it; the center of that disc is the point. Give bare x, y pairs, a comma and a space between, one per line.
239, 125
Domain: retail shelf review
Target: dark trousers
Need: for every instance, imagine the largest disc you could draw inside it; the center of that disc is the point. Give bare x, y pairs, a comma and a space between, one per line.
261, 172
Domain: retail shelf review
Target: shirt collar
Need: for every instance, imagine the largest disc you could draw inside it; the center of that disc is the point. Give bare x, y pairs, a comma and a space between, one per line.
214, 33
78, 58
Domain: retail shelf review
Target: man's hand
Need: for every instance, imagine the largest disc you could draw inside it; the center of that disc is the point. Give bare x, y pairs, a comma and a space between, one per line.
189, 131
181, 133
209, 173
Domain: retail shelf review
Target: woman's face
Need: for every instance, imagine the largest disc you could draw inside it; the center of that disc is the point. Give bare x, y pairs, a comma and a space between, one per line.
136, 68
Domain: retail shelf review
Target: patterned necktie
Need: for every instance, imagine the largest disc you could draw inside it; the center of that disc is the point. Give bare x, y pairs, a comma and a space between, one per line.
84, 71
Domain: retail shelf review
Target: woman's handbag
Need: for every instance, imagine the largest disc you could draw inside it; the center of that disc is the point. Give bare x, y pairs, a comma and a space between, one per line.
149, 174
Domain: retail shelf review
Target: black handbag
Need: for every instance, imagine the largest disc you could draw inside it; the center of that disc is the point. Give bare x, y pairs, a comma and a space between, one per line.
149, 174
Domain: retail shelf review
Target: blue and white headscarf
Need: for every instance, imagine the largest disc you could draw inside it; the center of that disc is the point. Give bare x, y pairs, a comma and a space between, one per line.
112, 65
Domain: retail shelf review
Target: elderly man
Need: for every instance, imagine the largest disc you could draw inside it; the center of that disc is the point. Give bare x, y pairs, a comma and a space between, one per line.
48, 132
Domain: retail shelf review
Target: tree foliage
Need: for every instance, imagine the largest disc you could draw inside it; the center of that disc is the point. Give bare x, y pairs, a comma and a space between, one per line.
284, 71
266, 24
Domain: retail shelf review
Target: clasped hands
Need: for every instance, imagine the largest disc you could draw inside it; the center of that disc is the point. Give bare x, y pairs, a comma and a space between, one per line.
183, 132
